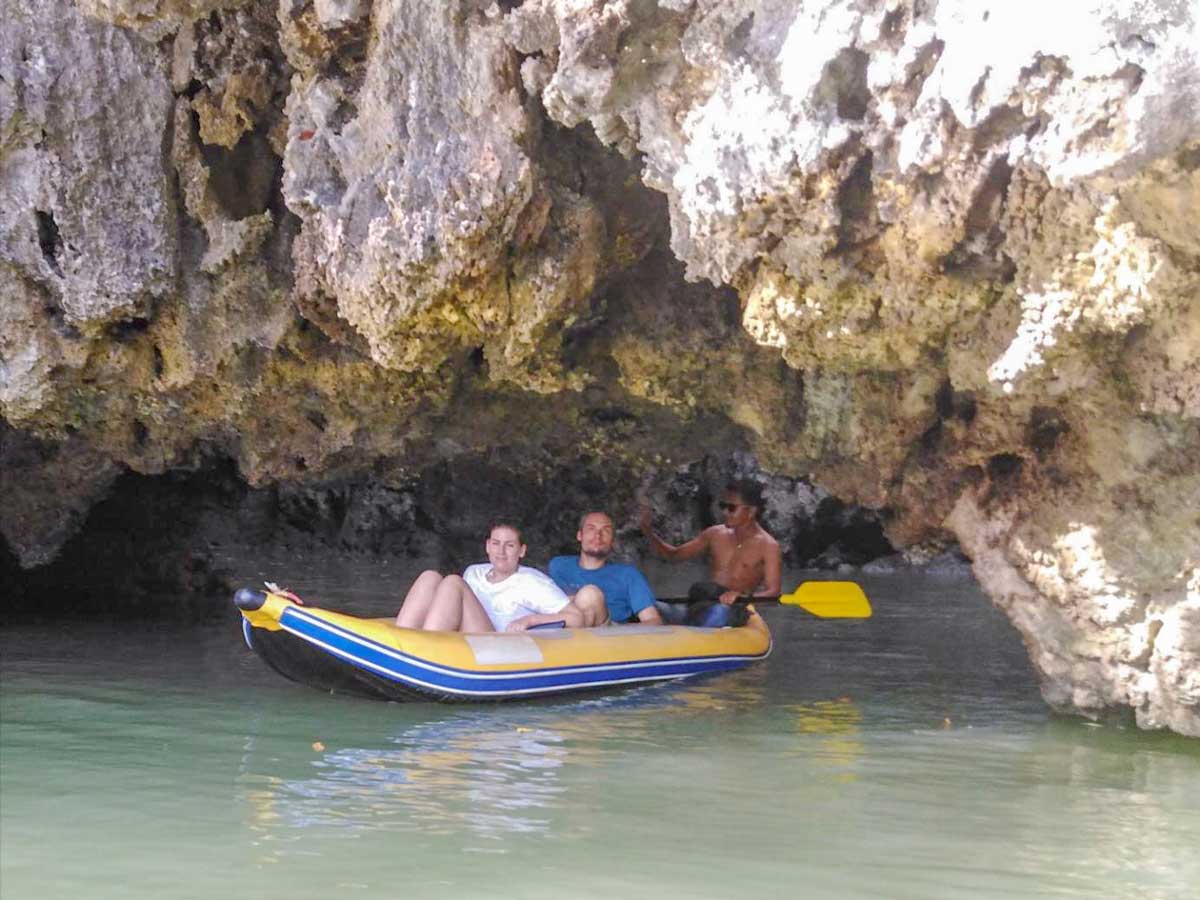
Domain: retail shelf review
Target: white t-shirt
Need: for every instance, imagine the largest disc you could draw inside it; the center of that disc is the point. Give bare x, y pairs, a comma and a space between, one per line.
524, 591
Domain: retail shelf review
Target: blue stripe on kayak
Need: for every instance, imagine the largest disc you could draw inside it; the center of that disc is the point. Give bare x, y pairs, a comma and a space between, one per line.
293, 614
397, 666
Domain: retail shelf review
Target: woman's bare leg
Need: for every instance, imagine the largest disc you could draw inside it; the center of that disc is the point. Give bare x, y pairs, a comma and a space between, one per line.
419, 599
455, 608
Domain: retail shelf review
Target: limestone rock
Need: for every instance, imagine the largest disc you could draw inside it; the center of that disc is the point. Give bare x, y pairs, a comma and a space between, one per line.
86, 211
153, 19
926, 259
1003, 218
48, 488
424, 213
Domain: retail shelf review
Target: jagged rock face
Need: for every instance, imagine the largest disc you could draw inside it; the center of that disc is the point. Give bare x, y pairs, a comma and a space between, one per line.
1003, 217
951, 262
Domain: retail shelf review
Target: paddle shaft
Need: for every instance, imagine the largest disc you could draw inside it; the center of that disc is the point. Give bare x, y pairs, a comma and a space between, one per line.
745, 598
824, 599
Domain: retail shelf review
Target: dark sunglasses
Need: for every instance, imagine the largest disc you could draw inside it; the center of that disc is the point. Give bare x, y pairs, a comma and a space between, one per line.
729, 507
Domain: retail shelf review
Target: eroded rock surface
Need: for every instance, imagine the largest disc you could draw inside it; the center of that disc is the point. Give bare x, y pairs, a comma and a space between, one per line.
1000, 217
924, 257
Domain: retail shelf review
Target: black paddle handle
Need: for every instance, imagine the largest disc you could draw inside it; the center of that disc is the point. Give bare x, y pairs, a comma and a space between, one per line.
745, 598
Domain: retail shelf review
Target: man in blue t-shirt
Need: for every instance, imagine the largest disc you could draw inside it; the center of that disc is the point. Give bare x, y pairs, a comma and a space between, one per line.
626, 592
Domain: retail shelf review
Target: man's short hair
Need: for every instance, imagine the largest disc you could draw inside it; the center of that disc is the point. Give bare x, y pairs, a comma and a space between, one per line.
593, 512
506, 522
749, 489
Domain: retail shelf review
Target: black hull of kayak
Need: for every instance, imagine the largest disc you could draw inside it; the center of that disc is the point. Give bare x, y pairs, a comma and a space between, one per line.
309, 665
306, 664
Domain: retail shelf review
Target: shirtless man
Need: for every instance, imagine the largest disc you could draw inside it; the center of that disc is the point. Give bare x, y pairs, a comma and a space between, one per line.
743, 559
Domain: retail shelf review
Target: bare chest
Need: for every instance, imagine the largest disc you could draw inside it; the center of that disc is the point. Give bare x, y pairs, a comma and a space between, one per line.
732, 554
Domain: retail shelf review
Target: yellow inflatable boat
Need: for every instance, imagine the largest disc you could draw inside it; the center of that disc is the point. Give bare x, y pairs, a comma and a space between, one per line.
372, 657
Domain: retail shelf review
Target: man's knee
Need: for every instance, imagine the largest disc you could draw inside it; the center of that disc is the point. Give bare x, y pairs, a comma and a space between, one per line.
590, 600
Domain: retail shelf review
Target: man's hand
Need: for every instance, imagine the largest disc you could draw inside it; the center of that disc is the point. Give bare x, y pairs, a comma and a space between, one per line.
645, 510
729, 597
521, 624
645, 515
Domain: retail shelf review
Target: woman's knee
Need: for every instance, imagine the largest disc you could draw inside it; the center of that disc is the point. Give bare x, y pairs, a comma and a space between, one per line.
428, 578
451, 583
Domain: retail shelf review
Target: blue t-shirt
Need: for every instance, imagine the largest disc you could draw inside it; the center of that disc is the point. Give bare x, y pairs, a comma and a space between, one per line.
625, 589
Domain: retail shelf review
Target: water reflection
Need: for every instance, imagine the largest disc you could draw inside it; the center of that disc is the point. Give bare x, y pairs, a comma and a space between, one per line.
459, 773
1111, 785
837, 725
492, 772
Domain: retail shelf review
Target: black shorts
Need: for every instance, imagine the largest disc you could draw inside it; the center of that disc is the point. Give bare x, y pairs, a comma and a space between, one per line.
704, 608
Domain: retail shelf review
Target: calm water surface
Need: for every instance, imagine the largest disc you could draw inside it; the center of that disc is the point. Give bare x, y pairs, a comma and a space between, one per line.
908, 756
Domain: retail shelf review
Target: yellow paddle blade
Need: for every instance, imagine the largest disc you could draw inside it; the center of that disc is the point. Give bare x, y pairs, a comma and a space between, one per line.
830, 600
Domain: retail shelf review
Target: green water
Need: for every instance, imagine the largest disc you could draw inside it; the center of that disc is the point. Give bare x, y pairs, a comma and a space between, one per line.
908, 756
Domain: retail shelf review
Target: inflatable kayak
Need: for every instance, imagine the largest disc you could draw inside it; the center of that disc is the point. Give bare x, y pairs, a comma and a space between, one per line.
335, 652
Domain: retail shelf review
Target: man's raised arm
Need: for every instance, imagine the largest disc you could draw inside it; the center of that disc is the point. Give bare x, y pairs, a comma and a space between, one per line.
688, 550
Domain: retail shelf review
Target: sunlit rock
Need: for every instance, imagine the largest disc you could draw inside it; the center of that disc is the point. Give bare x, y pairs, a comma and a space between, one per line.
929, 259
86, 217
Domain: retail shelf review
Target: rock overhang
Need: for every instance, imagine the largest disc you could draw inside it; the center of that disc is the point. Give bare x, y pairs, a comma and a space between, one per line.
952, 261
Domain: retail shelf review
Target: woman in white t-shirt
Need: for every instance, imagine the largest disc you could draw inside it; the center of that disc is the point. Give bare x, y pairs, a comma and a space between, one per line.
499, 595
